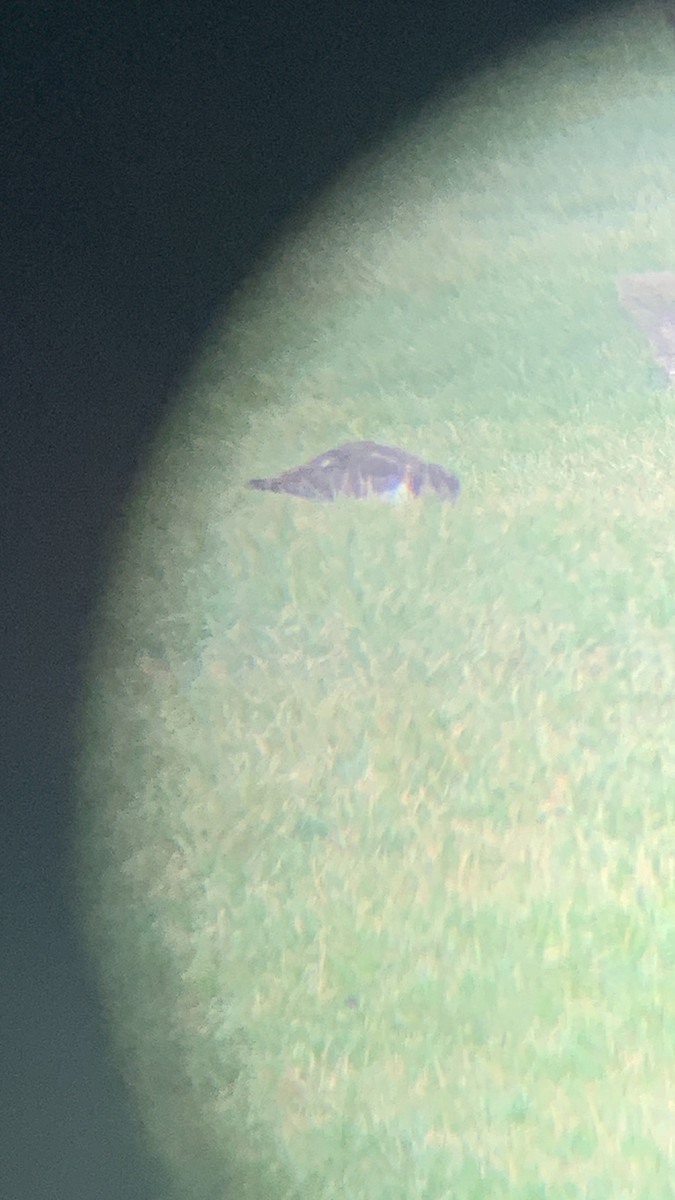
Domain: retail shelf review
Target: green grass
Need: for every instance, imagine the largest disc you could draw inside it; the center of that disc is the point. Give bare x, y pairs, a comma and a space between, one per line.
379, 853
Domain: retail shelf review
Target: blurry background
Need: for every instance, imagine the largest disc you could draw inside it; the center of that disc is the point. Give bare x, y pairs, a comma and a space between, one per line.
148, 156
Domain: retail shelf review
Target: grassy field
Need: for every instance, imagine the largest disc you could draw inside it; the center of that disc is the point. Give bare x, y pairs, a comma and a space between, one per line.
379, 854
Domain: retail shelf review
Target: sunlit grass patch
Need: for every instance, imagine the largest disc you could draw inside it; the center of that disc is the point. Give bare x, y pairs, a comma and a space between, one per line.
383, 867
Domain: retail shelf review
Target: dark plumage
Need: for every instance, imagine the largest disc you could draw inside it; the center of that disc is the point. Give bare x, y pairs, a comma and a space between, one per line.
361, 469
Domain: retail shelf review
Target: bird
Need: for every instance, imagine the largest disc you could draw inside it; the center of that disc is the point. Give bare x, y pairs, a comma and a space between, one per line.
649, 298
361, 470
